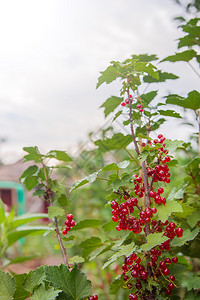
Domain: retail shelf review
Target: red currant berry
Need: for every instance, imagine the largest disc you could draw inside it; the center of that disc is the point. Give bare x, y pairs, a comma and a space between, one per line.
165, 271
168, 292
172, 278
132, 297
179, 232
64, 231
160, 190
70, 217
175, 259
171, 286
123, 103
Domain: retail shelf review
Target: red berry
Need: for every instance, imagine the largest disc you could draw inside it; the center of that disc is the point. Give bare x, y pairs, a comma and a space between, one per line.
95, 297
73, 223
160, 136
160, 190
175, 259
179, 232
123, 103
114, 204
140, 110
172, 278
165, 271
168, 291
64, 231
171, 286
154, 210
69, 217
172, 225
132, 297
115, 218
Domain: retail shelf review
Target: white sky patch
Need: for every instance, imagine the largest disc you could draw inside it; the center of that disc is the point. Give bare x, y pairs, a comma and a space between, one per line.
52, 53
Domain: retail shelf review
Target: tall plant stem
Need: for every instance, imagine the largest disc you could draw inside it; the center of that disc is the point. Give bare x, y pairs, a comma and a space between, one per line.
49, 194
144, 168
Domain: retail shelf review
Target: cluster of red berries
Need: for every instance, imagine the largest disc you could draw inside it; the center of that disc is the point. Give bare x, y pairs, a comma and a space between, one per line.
122, 212
69, 224
93, 297
125, 102
135, 274
140, 107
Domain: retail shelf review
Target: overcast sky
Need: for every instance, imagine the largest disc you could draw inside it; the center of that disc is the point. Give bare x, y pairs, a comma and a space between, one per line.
51, 53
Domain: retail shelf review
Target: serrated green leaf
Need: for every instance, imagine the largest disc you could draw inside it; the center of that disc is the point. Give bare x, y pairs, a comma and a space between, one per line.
145, 57
110, 167
154, 239
187, 41
20, 293
88, 179
191, 102
55, 211
59, 155
181, 56
170, 113
33, 154
157, 124
74, 284
117, 115
90, 245
188, 235
193, 283
87, 223
118, 141
32, 170
109, 226
173, 145
123, 251
193, 219
148, 68
76, 259
7, 286
34, 279
163, 76
109, 75
123, 164
147, 98
176, 193
111, 104
30, 182
41, 293
164, 211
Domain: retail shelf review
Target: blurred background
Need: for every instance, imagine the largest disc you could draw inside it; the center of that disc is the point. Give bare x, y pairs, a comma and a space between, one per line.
51, 56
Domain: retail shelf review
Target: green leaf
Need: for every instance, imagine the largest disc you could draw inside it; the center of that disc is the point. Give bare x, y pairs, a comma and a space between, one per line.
42, 294
118, 141
34, 279
76, 259
188, 235
59, 155
26, 218
191, 102
33, 154
154, 239
110, 167
109, 226
176, 193
193, 219
74, 284
164, 211
148, 68
87, 223
143, 155
30, 182
123, 251
147, 98
123, 164
20, 293
145, 57
187, 41
88, 179
173, 145
111, 104
7, 286
163, 76
117, 115
2, 212
23, 231
90, 245
55, 211
109, 75
181, 56
169, 113
19, 259
32, 170
193, 283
